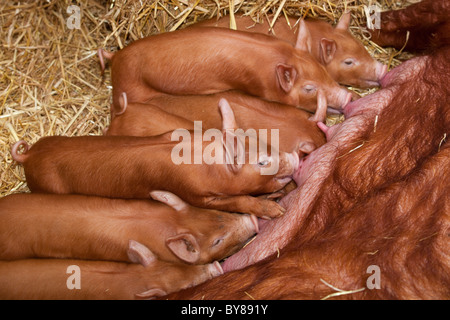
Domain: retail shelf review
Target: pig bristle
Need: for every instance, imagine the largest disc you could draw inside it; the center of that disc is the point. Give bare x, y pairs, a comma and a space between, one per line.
355, 148
56, 87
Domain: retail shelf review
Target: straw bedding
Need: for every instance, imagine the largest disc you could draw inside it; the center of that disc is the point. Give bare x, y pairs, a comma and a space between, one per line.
50, 80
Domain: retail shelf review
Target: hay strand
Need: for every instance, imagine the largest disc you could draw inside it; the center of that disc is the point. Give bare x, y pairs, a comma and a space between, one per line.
339, 292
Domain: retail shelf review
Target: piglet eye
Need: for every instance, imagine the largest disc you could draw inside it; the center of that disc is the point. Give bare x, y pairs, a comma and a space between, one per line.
217, 242
263, 161
349, 62
309, 88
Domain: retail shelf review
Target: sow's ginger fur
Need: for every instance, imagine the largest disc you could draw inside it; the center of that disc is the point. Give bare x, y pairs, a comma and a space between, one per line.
383, 205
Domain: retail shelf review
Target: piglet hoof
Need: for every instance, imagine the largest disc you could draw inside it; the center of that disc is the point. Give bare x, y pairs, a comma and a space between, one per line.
271, 210
151, 294
273, 196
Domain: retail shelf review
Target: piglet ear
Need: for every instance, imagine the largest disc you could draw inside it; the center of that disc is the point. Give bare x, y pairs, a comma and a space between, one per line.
139, 253
303, 42
327, 50
344, 22
233, 146
228, 119
307, 147
286, 75
123, 102
151, 294
185, 247
170, 199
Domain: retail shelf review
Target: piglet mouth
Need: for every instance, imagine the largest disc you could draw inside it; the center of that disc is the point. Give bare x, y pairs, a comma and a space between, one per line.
338, 110
372, 83
332, 110
284, 180
348, 98
292, 161
299, 169
384, 71
295, 160
300, 164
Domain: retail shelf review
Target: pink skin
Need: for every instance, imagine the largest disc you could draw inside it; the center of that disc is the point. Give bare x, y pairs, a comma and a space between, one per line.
382, 71
359, 106
403, 72
314, 168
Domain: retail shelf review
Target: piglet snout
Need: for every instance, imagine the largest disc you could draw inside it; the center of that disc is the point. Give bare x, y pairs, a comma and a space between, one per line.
348, 97
293, 160
215, 269
288, 165
339, 100
382, 70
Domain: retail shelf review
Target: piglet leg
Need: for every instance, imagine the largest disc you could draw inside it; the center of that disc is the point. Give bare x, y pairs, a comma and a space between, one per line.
261, 208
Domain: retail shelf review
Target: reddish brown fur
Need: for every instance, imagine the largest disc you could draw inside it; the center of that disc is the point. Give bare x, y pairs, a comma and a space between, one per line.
82, 227
330, 46
296, 132
48, 279
403, 229
132, 167
210, 60
427, 22
385, 203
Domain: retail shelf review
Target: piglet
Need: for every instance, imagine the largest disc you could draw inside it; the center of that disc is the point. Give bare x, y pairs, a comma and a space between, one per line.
67, 226
297, 128
345, 58
132, 167
211, 60
43, 279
